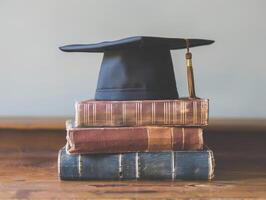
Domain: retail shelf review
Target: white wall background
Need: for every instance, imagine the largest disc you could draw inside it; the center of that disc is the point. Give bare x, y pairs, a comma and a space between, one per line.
36, 79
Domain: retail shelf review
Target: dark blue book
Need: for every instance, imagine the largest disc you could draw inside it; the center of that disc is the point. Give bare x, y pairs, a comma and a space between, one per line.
197, 165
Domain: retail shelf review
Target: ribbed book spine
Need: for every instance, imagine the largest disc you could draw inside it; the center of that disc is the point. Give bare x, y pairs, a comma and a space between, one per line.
180, 112
132, 139
150, 166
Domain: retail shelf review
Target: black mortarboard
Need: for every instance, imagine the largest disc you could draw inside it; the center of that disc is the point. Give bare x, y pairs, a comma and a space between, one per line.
136, 68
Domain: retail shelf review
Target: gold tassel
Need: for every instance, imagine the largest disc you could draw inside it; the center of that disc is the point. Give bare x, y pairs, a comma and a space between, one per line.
190, 75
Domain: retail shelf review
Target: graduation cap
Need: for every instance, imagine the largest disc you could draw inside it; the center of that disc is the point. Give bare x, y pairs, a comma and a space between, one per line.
137, 68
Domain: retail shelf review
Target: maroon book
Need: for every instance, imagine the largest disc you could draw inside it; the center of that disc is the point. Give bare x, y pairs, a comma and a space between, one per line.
132, 139
177, 112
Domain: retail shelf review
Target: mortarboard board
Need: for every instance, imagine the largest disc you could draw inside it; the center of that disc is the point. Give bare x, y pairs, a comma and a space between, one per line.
136, 68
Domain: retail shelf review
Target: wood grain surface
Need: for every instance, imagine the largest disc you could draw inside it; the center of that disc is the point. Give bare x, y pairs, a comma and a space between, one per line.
33, 123
28, 170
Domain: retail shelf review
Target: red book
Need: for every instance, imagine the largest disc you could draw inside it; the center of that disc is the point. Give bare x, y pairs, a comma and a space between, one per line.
132, 139
178, 112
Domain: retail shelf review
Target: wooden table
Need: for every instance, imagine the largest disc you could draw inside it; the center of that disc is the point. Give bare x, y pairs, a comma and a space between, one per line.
28, 169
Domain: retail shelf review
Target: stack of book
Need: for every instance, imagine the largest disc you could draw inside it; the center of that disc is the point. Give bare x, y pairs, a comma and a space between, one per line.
144, 139
137, 127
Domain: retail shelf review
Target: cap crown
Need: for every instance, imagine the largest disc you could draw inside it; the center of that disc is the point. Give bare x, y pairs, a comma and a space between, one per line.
136, 74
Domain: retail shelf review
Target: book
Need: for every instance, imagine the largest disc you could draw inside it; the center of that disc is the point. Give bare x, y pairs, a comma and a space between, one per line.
178, 112
131, 139
150, 166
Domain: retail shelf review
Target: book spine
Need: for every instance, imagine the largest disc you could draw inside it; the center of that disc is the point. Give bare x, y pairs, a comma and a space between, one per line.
142, 113
132, 139
150, 166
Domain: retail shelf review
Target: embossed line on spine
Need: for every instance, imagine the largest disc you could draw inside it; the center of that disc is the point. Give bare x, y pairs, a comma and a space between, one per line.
174, 111
200, 135
211, 164
182, 112
87, 113
80, 165
195, 115
108, 114
111, 114
169, 113
84, 114
204, 112
185, 112
166, 106
136, 112
148, 136
120, 172
183, 138
164, 120
124, 111
173, 164
94, 113
137, 164
172, 138
153, 112
139, 113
